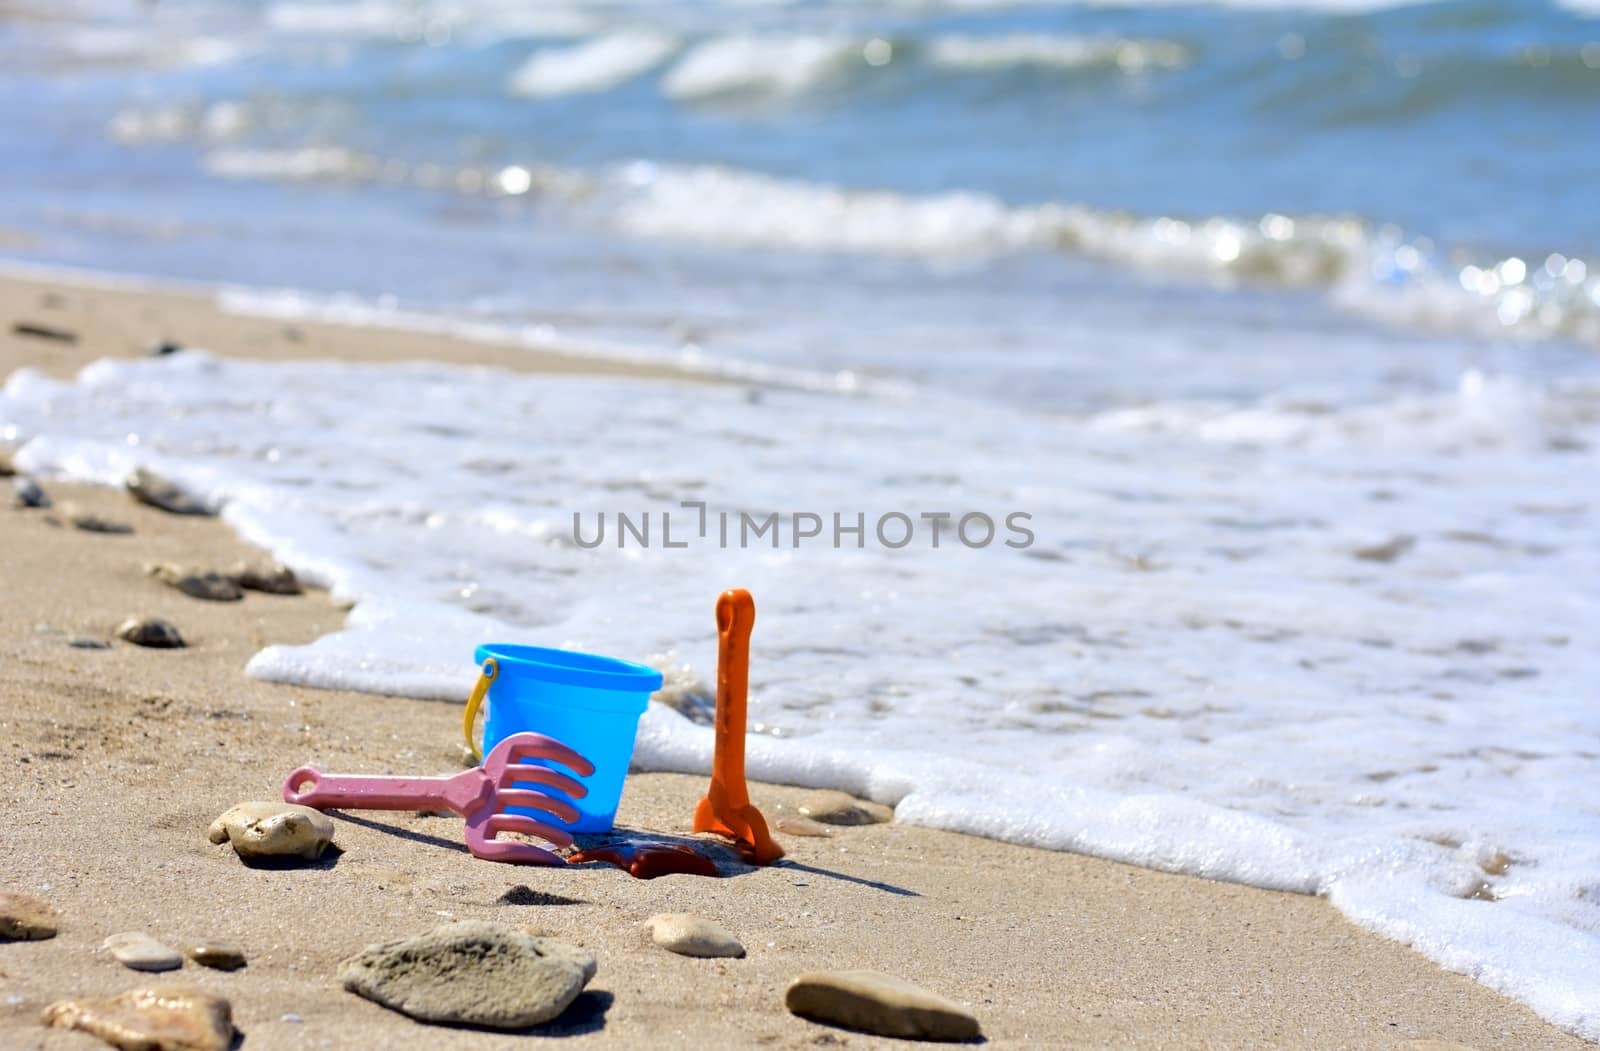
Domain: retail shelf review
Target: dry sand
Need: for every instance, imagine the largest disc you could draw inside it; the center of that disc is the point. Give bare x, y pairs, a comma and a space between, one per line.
118, 759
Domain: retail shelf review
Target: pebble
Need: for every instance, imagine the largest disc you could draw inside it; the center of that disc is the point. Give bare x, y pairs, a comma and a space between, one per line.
471, 973
147, 487
150, 631
90, 522
164, 348
213, 587
880, 1004
49, 332
273, 830
841, 808
25, 492
271, 577
218, 955
801, 826
25, 919
140, 952
171, 1018
689, 935
1387, 551
84, 642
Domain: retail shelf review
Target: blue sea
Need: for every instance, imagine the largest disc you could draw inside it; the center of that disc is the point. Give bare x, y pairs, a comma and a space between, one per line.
1279, 321
1036, 199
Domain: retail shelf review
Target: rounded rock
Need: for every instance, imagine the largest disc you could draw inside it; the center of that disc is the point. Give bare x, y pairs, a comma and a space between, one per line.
138, 951
841, 808
26, 919
274, 578
90, 522
266, 830
218, 955
150, 631
25, 492
210, 586
801, 826
880, 1004
150, 488
689, 935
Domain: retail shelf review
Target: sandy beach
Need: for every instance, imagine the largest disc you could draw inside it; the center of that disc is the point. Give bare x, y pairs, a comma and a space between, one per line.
119, 758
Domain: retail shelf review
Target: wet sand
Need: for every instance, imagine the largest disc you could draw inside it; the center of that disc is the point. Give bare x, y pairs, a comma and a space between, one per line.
118, 759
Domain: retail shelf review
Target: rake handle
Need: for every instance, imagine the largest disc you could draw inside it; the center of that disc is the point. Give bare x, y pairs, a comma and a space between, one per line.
463, 793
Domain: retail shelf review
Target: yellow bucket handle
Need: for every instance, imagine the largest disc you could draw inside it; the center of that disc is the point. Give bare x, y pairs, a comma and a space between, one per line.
470, 716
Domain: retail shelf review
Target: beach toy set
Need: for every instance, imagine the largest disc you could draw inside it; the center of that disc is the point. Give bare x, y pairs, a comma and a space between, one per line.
560, 730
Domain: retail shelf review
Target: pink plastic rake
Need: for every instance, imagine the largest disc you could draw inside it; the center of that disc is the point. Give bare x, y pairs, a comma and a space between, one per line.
481, 795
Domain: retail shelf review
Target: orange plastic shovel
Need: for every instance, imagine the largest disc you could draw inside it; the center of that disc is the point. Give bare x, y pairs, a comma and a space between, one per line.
726, 808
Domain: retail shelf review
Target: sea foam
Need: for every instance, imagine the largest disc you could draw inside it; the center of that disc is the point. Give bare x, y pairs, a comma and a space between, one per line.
1330, 650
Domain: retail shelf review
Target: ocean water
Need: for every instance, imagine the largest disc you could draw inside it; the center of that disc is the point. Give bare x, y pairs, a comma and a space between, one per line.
1276, 324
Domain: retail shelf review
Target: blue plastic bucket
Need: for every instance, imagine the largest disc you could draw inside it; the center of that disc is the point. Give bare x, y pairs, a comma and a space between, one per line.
590, 704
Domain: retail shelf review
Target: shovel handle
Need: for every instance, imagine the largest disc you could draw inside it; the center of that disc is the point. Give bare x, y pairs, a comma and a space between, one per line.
736, 616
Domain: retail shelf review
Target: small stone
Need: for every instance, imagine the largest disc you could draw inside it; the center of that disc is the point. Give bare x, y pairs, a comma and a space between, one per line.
801, 826
49, 332
880, 1004
218, 955
25, 492
841, 808
140, 952
150, 631
1387, 551
147, 487
273, 830
164, 348
271, 577
213, 587
25, 919
171, 1018
90, 522
471, 973
83, 642
689, 935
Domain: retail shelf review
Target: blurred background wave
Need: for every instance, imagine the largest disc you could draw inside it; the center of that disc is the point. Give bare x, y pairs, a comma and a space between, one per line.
1069, 203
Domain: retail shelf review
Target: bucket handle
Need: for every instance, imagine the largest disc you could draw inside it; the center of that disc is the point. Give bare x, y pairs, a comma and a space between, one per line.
491, 668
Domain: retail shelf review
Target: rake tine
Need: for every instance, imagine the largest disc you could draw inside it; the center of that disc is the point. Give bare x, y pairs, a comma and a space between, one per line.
517, 797
542, 776
551, 750
528, 827
512, 852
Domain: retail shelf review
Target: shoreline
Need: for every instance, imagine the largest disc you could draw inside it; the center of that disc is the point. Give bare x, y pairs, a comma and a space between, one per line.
1048, 949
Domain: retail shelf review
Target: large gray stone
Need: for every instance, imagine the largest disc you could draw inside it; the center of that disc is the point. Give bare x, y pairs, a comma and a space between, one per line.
880, 1004
471, 973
